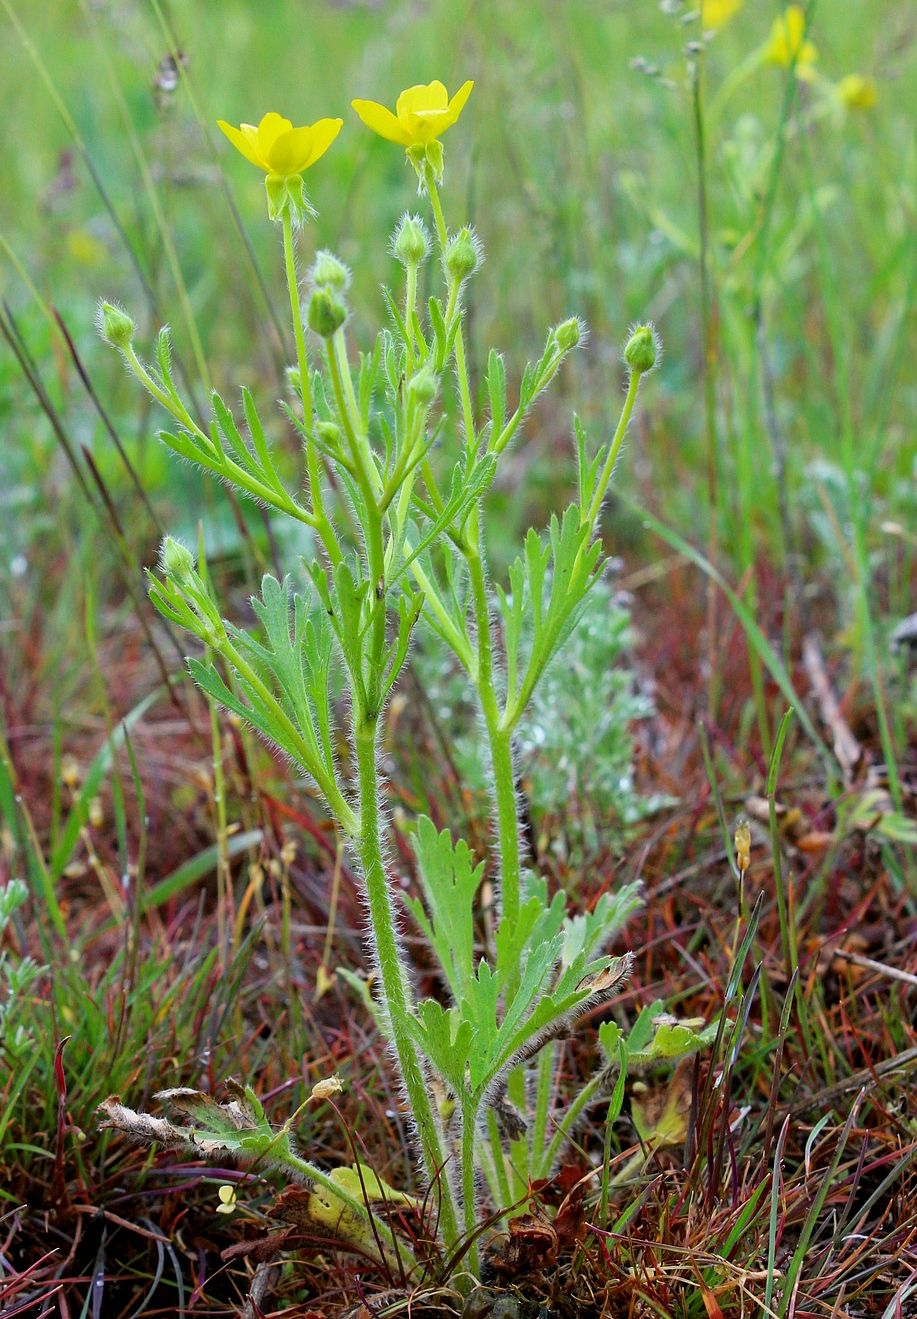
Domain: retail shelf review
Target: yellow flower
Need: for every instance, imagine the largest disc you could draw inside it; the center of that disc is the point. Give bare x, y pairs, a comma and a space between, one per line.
787, 43
422, 114
714, 13
227, 1195
857, 92
277, 147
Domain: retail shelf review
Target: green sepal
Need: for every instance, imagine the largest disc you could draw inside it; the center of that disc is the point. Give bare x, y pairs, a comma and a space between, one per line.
285, 192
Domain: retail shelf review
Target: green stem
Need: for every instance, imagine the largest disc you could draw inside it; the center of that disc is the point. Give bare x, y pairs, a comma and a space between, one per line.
215, 459
171, 403
457, 640
505, 1197
500, 740
542, 1102
440, 220
410, 302
370, 485
339, 369
313, 465
464, 388
392, 975
302, 359
598, 495
469, 1189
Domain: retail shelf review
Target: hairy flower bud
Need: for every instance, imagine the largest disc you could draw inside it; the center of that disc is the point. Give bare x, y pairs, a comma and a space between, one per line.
569, 334
177, 559
327, 313
641, 351
423, 386
329, 433
410, 241
463, 254
115, 326
328, 272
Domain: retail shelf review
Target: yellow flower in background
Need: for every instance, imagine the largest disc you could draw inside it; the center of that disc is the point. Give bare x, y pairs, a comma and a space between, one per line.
857, 92
227, 1196
788, 43
422, 114
277, 147
716, 13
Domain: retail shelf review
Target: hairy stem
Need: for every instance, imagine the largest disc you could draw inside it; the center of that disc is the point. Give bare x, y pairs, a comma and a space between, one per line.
470, 1136
501, 749
392, 974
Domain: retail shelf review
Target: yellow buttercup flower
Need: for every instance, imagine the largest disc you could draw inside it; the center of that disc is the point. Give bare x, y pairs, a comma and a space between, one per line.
857, 92
422, 114
788, 43
277, 147
283, 152
715, 13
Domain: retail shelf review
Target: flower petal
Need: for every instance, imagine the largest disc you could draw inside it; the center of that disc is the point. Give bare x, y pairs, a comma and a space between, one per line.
794, 25
423, 96
289, 153
324, 131
270, 128
382, 121
425, 125
245, 143
457, 104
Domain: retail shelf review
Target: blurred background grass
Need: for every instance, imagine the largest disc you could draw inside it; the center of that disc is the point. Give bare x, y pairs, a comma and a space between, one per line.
578, 163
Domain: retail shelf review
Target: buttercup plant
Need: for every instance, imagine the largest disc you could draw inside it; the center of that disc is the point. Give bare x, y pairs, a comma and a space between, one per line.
395, 496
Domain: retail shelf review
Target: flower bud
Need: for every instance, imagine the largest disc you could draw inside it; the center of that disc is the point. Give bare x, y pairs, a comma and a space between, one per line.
642, 349
742, 840
115, 326
569, 334
410, 241
326, 313
329, 273
177, 559
423, 386
463, 254
329, 433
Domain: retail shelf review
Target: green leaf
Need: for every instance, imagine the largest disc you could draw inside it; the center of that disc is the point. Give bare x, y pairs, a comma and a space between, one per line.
495, 380
544, 605
590, 931
446, 1041
450, 881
